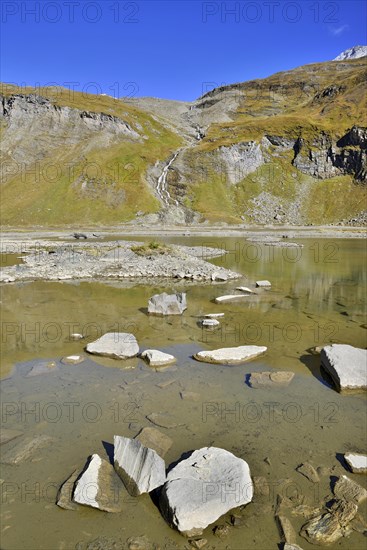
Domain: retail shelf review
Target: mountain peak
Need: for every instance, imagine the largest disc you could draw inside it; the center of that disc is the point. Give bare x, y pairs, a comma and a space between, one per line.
352, 53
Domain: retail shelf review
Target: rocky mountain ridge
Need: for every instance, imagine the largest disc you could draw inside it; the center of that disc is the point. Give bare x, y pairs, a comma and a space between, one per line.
290, 148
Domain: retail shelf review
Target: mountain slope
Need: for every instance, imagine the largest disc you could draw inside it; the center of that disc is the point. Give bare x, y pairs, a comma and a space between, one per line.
290, 148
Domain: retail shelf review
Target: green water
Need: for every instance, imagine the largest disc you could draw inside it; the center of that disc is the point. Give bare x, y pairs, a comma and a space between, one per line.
318, 296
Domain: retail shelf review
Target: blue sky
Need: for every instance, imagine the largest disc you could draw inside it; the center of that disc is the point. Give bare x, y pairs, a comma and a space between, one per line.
170, 49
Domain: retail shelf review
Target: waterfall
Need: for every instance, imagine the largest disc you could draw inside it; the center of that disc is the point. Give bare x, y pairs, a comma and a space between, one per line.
162, 188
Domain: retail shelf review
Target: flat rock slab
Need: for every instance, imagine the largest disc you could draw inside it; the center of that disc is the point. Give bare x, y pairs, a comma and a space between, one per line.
230, 356
65, 494
231, 298
349, 490
263, 284
346, 365
203, 487
99, 486
210, 323
156, 440
156, 358
270, 379
25, 449
7, 435
141, 469
190, 396
245, 289
288, 534
356, 462
213, 315
167, 304
73, 360
163, 420
308, 471
118, 345
43, 367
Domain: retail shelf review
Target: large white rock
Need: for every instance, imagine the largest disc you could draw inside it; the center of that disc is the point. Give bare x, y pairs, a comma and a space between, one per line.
99, 486
231, 298
346, 365
203, 487
118, 345
167, 304
230, 356
140, 468
356, 462
156, 358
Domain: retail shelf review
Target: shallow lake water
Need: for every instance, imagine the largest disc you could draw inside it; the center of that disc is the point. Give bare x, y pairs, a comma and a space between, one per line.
317, 297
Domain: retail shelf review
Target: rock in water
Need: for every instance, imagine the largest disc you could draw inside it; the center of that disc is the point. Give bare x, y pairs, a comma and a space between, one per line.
263, 284
140, 468
270, 379
307, 470
329, 527
349, 490
156, 358
210, 323
156, 440
230, 356
64, 497
118, 345
231, 298
356, 462
167, 304
99, 486
7, 435
26, 449
203, 487
346, 365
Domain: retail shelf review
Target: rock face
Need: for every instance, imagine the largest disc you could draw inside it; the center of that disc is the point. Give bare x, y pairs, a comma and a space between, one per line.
118, 345
230, 356
203, 487
356, 462
346, 365
141, 469
167, 304
156, 358
240, 159
99, 486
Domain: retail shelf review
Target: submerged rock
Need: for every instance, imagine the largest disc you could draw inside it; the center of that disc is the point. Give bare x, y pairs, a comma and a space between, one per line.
270, 379
156, 440
43, 367
349, 490
167, 304
230, 356
141, 469
163, 420
203, 487
118, 345
99, 486
287, 532
156, 358
356, 462
7, 435
346, 365
309, 472
25, 449
73, 360
245, 289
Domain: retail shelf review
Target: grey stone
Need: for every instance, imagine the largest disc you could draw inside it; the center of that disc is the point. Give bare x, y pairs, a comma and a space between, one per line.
43, 367
118, 345
270, 379
163, 420
167, 304
156, 358
141, 469
213, 315
263, 284
210, 323
346, 365
309, 472
228, 298
230, 356
25, 449
65, 494
73, 359
99, 486
156, 440
287, 532
203, 487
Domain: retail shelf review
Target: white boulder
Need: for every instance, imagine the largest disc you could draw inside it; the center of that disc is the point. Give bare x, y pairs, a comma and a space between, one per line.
203, 487
346, 365
167, 304
156, 358
118, 345
230, 356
